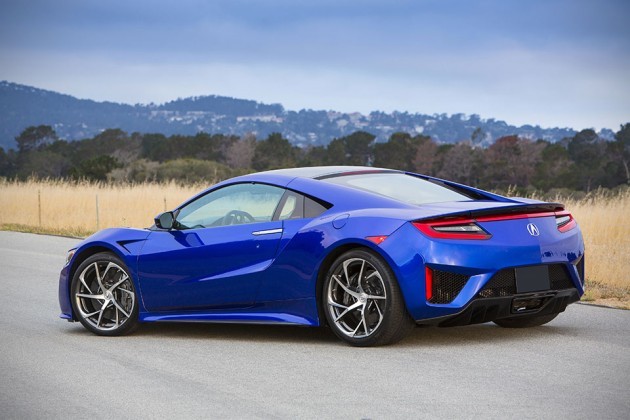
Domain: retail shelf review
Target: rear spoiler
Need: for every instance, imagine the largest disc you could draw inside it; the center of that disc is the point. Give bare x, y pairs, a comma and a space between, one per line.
517, 209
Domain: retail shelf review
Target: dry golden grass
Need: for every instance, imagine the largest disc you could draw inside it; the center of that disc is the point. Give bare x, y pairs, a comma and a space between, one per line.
70, 208
604, 223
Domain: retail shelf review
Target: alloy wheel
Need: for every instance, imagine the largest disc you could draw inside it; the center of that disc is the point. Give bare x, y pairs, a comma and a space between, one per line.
356, 298
105, 297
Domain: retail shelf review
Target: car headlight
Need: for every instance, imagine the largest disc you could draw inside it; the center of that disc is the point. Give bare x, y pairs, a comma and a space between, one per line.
69, 256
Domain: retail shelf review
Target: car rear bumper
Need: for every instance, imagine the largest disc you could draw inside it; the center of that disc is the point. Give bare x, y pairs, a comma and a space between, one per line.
482, 310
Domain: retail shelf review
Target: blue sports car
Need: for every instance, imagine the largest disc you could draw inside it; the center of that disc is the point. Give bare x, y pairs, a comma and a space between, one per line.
369, 252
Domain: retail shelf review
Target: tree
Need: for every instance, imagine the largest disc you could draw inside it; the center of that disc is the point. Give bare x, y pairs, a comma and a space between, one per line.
355, 149
4, 163
33, 138
621, 146
192, 170
43, 164
554, 168
273, 153
96, 168
241, 153
477, 137
511, 161
460, 163
587, 150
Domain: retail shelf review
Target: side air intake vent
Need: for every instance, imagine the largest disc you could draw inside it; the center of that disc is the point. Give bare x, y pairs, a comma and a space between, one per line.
446, 286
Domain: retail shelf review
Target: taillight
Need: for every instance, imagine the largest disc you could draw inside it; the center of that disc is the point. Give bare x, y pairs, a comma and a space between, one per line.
428, 283
452, 229
564, 221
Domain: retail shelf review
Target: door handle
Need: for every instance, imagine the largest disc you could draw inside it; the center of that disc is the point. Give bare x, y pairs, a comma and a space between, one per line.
267, 232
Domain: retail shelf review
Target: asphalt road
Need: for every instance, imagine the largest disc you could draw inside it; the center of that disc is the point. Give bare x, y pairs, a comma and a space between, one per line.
578, 366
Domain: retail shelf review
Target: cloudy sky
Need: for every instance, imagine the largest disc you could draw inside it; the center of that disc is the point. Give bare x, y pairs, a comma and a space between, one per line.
549, 62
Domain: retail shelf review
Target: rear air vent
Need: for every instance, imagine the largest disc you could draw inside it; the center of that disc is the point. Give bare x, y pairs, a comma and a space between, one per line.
559, 277
501, 284
446, 286
504, 282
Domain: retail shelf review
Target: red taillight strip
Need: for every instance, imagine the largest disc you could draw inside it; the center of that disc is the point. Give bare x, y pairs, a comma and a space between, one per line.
427, 229
428, 283
567, 226
516, 216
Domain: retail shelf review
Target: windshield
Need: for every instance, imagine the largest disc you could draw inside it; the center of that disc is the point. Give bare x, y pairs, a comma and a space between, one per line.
402, 187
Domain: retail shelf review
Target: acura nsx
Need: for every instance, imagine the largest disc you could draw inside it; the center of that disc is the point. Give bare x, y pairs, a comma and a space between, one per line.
368, 252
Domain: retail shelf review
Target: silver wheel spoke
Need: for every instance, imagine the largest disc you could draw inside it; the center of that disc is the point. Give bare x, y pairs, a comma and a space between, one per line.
335, 304
95, 297
380, 314
120, 308
82, 279
91, 314
100, 315
375, 273
361, 276
345, 288
121, 281
345, 271
109, 265
350, 308
365, 327
98, 277
376, 297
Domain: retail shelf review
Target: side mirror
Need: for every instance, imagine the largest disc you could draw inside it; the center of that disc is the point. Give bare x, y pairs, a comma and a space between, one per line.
165, 220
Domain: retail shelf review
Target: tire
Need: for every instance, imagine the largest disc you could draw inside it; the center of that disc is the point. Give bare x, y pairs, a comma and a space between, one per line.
525, 321
103, 296
362, 301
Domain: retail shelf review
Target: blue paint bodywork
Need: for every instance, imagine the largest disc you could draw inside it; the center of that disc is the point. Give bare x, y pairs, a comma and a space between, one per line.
226, 274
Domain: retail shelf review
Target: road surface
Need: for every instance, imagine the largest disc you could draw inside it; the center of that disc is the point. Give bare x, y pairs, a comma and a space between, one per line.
578, 366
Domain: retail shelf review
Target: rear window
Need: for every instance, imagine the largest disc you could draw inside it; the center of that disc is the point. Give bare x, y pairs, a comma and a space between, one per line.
401, 187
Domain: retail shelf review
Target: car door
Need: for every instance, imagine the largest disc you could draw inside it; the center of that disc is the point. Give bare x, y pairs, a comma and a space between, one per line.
213, 259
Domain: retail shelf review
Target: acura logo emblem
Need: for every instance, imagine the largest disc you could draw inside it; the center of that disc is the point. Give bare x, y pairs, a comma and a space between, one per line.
533, 229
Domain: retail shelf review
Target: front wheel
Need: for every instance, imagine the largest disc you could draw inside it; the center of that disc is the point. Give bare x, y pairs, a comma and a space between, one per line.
103, 295
525, 321
362, 301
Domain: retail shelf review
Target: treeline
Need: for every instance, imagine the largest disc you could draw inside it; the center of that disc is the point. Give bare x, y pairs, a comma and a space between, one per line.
582, 162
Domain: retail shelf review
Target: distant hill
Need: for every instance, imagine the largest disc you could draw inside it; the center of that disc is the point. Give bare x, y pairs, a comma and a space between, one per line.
74, 119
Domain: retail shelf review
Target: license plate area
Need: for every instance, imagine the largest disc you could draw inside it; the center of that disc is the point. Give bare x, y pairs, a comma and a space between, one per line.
534, 278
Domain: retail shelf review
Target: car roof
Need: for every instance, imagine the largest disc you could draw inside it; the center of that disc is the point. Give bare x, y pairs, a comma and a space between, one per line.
320, 172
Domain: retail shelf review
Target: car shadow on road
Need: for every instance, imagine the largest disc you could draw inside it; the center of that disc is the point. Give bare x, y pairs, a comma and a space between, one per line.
482, 334
419, 337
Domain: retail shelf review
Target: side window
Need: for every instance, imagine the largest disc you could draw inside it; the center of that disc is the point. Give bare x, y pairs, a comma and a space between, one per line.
297, 206
292, 206
231, 205
312, 208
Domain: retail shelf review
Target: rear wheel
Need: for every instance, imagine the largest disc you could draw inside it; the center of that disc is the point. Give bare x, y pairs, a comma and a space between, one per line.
525, 321
103, 295
362, 301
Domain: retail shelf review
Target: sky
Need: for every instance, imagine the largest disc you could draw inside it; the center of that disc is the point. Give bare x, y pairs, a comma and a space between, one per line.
562, 63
